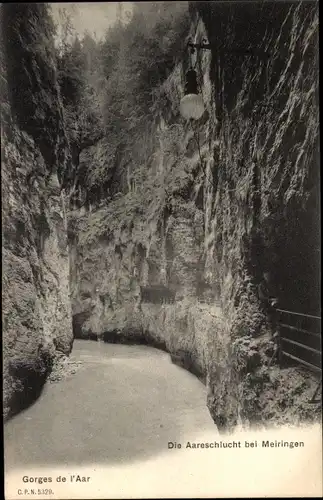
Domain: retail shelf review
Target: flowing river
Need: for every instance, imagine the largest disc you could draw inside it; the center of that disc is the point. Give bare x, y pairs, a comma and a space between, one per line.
124, 403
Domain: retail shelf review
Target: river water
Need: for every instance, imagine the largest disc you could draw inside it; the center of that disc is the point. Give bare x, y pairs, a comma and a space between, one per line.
125, 403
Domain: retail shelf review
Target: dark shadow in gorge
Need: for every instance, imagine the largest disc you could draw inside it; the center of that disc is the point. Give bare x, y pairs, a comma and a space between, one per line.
29, 380
31, 389
123, 405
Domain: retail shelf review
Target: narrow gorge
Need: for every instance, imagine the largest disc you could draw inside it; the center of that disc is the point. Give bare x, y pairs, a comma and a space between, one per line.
125, 223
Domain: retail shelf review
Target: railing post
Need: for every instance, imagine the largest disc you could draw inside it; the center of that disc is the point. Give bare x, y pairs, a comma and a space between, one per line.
276, 327
278, 335
280, 354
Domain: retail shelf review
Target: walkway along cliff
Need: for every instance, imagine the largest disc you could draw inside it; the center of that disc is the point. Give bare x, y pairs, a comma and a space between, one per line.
172, 226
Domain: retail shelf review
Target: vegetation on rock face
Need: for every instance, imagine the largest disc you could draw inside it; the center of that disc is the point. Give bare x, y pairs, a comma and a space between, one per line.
112, 85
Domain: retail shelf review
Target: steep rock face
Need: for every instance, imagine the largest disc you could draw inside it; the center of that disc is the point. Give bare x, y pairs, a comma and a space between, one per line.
223, 198
37, 322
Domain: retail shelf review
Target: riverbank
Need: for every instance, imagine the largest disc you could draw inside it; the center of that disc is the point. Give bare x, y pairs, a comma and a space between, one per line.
64, 367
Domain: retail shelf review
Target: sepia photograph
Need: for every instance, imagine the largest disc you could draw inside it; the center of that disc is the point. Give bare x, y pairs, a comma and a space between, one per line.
161, 242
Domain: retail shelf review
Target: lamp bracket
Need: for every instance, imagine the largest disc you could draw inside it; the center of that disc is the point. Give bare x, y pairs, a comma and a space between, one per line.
204, 45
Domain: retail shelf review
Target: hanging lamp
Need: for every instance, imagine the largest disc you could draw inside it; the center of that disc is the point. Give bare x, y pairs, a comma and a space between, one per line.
191, 105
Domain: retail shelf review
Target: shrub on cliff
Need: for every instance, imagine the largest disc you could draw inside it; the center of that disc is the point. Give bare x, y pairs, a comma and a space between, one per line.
117, 79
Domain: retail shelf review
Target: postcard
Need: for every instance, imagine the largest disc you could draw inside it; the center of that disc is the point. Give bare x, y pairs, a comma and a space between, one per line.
161, 250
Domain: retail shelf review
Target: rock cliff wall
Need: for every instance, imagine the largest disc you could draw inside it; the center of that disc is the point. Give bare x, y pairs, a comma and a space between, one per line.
226, 200
37, 321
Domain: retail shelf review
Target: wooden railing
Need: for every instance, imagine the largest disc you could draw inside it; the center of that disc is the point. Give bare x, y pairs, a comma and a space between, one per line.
300, 339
